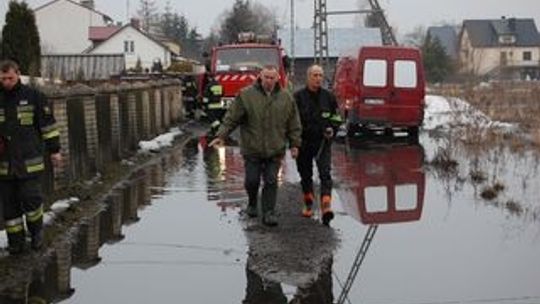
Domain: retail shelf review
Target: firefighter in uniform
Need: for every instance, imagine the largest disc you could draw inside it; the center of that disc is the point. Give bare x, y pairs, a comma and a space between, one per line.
27, 127
189, 93
320, 121
214, 108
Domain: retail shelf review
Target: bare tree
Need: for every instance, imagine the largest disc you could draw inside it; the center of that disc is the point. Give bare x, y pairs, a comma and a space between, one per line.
147, 13
416, 38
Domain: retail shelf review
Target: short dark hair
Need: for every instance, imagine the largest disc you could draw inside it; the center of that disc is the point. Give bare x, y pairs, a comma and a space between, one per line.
7, 65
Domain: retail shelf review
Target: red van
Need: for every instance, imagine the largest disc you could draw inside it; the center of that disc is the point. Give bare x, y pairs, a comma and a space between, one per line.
388, 89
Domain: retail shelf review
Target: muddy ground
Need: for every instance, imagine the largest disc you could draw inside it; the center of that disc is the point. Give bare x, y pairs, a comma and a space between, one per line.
296, 251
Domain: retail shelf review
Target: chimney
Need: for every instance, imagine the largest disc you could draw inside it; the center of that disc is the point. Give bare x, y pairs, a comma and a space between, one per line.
88, 3
512, 24
136, 23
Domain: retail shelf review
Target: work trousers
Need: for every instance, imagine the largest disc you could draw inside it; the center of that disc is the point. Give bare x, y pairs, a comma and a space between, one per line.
319, 151
21, 197
267, 168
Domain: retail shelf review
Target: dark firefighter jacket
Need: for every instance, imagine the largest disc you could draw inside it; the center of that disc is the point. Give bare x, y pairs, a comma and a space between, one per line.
27, 127
268, 122
318, 111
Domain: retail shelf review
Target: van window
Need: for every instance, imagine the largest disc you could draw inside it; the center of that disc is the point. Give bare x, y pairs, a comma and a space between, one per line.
375, 73
405, 74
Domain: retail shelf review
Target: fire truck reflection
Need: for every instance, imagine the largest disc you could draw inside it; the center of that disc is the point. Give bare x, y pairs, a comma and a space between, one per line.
224, 168
225, 176
381, 184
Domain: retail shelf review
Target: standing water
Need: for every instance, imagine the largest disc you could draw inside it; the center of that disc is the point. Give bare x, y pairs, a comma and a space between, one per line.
418, 233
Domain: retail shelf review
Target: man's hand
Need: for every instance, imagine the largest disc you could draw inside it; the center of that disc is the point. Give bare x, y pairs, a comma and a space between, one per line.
328, 133
56, 159
294, 152
216, 142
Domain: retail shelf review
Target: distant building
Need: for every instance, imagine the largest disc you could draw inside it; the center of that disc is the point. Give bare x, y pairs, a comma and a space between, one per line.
64, 24
447, 36
341, 41
507, 48
98, 34
135, 45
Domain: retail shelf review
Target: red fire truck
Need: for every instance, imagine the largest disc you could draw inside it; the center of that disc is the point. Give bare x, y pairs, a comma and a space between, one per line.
237, 65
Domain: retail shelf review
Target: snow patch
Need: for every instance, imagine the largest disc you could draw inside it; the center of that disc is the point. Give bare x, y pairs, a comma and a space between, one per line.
445, 113
160, 142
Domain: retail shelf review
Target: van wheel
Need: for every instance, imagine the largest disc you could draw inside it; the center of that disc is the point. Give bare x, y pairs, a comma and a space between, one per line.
388, 132
413, 134
352, 130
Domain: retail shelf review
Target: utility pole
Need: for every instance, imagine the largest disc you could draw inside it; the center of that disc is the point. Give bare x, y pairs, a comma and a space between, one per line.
320, 28
386, 30
293, 30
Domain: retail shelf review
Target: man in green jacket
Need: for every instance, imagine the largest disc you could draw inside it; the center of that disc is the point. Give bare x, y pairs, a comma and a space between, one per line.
269, 121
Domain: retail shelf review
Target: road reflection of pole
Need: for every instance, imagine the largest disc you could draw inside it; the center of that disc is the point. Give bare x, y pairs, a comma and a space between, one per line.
358, 260
374, 175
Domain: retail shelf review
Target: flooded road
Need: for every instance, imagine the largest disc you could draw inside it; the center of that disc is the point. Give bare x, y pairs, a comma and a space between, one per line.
175, 233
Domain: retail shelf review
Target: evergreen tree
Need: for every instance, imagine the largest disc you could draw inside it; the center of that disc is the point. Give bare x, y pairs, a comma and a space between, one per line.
437, 64
245, 17
20, 38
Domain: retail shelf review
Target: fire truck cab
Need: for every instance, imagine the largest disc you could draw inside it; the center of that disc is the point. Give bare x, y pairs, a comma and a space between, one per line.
238, 65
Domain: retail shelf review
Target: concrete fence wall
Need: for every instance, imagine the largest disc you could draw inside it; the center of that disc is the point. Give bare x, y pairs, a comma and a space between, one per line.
102, 125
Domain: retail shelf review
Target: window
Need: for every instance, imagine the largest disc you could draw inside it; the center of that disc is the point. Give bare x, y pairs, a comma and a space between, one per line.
246, 59
376, 199
507, 39
375, 73
129, 46
503, 59
405, 74
406, 197
527, 56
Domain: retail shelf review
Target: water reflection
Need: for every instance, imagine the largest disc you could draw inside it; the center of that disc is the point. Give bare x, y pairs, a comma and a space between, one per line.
103, 225
224, 167
262, 291
380, 183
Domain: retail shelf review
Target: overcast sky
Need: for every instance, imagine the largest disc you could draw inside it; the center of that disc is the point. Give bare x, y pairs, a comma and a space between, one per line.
404, 15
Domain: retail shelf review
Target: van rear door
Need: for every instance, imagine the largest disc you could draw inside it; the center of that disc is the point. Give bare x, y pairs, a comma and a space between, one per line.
392, 86
374, 87
407, 94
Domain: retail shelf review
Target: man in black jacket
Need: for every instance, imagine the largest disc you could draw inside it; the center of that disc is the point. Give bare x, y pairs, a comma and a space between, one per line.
27, 127
320, 120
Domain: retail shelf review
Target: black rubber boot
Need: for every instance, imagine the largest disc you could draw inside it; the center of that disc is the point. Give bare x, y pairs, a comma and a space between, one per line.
37, 240
270, 219
252, 211
16, 243
35, 228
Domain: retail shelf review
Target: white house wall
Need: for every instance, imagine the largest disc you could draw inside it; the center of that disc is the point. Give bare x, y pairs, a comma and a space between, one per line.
63, 27
145, 48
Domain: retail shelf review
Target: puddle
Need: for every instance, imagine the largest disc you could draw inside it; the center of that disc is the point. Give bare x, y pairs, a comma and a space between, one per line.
175, 232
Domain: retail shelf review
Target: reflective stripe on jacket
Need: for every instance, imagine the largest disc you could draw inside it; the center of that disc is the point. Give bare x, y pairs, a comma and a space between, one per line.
28, 129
